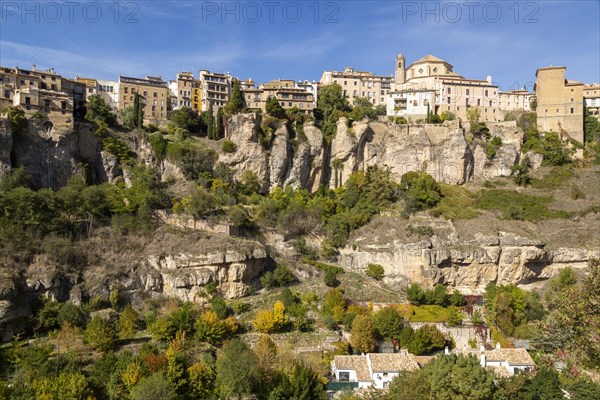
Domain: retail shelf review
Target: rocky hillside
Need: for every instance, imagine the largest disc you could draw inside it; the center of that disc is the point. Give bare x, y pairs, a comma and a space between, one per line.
181, 257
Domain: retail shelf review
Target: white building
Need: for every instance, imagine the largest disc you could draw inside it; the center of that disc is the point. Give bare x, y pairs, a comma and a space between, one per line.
372, 369
504, 362
109, 91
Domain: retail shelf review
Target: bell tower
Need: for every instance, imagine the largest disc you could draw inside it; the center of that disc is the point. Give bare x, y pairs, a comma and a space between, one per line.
400, 70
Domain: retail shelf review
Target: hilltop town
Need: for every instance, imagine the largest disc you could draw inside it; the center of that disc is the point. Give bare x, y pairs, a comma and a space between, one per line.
421, 235
427, 87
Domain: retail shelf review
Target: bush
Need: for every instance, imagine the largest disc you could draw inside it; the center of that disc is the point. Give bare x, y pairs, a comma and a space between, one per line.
100, 334
425, 231
421, 190
330, 279
375, 271
228, 146
158, 144
281, 276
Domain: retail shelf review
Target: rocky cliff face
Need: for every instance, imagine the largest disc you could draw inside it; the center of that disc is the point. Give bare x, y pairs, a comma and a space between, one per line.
170, 265
304, 159
466, 264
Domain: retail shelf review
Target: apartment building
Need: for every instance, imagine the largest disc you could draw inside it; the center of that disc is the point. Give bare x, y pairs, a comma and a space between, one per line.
515, 100
107, 90
360, 84
186, 91
42, 91
430, 86
214, 88
559, 103
154, 94
284, 90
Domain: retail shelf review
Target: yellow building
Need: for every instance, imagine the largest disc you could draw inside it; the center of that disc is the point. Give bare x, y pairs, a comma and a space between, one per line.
559, 103
591, 99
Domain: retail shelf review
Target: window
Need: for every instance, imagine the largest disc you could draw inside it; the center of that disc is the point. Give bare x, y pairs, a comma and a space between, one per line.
290, 103
420, 70
449, 91
571, 99
344, 376
478, 102
448, 99
486, 93
355, 83
490, 103
126, 88
572, 110
155, 94
345, 83
28, 100
434, 70
7, 94
301, 105
468, 92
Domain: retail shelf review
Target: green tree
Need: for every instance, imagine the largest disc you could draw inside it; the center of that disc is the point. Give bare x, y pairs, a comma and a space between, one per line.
18, 121
138, 108
421, 190
274, 109
129, 116
388, 323
457, 299
236, 104
425, 340
363, 334
375, 271
99, 110
65, 386
209, 328
521, 172
185, 118
202, 376
128, 322
302, 384
415, 294
154, 387
238, 372
455, 317
544, 385
100, 334
459, 377
331, 105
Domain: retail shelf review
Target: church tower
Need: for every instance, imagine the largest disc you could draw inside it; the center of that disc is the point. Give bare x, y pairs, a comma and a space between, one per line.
400, 69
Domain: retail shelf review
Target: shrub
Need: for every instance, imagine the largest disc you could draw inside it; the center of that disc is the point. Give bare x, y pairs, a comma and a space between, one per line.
518, 206
425, 231
455, 317
228, 146
330, 279
421, 190
158, 144
281, 276
271, 321
375, 271
100, 334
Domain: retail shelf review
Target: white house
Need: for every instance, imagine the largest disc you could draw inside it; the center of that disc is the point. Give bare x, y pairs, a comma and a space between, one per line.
372, 369
504, 362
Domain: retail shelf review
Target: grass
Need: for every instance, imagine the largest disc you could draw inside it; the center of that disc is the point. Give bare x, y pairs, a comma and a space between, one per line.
519, 206
457, 203
554, 179
424, 313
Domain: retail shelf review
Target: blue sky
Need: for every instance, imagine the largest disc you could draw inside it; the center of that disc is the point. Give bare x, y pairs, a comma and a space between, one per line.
267, 40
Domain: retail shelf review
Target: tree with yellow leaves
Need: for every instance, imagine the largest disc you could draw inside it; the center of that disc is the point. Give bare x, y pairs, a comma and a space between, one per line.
271, 321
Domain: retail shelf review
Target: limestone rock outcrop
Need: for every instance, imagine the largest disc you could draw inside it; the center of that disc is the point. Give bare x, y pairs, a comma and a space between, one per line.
468, 265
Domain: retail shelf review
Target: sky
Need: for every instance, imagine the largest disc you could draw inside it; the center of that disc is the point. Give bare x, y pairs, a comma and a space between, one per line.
273, 39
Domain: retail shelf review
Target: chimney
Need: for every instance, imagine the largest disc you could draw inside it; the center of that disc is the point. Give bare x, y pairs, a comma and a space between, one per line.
33, 67
489, 79
498, 345
446, 351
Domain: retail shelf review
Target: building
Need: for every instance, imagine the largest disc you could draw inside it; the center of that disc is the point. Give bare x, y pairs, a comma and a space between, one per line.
360, 84
559, 103
215, 88
311, 87
503, 362
186, 92
42, 91
91, 86
285, 91
154, 94
515, 100
430, 86
591, 99
373, 369
109, 91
